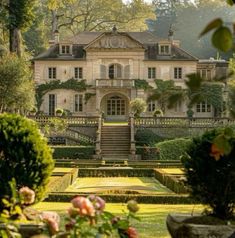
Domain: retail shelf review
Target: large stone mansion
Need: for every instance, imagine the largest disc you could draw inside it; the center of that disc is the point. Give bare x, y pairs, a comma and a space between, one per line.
111, 62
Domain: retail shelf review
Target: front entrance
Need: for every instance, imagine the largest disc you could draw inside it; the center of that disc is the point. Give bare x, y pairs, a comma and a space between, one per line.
115, 108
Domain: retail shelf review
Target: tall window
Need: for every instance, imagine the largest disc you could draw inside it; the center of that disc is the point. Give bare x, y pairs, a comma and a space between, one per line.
178, 106
115, 71
164, 49
178, 73
205, 73
203, 107
78, 103
78, 73
52, 72
65, 49
151, 106
52, 104
151, 72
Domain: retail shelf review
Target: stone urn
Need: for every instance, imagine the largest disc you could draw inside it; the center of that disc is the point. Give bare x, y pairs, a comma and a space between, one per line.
179, 227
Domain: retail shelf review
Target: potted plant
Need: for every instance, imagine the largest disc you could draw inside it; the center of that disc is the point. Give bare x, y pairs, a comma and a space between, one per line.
137, 106
158, 113
33, 111
59, 112
210, 175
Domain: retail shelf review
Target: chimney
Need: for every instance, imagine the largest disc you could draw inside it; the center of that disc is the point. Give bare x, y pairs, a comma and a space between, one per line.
171, 35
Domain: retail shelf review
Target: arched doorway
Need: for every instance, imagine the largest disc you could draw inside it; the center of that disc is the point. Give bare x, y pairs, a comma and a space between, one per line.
115, 107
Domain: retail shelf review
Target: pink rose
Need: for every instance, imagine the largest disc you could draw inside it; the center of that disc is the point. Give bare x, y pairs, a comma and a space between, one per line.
53, 220
131, 232
27, 194
97, 202
84, 205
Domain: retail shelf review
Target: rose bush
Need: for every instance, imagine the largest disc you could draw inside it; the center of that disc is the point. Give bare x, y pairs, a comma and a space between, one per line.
86, 217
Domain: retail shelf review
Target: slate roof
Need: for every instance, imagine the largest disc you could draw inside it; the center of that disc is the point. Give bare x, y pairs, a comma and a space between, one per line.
147, 39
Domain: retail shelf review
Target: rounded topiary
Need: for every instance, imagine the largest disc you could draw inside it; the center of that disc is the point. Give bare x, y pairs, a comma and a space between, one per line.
147, 137
210, 171
24, 155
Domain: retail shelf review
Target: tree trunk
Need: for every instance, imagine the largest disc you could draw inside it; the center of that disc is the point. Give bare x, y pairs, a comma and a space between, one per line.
15, 41
54, 21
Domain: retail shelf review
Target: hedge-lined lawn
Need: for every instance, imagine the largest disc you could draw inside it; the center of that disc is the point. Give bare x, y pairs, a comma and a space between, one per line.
137, 184
153, 217
177, 171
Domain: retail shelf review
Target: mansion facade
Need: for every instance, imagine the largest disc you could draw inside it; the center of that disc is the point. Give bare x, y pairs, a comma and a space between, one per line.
110, 62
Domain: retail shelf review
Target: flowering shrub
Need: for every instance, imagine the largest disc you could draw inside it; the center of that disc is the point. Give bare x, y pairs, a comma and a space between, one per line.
87, 217
209, 169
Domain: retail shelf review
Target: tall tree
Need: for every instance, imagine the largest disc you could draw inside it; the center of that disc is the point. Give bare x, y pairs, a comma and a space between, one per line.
98, 15
19, 15
16, 84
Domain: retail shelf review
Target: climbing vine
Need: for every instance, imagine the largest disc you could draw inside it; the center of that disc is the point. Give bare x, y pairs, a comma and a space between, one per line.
142, 84
72, 84
88, 96
213, 93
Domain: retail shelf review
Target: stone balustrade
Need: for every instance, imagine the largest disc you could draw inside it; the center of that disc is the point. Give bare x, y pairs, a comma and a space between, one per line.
180, 122
70, 120
115, 83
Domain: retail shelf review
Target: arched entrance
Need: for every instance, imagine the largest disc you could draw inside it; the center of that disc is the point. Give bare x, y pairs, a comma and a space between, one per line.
115, 107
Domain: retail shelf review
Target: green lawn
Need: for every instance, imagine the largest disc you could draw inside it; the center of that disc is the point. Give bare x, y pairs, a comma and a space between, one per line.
153, 216
142, 185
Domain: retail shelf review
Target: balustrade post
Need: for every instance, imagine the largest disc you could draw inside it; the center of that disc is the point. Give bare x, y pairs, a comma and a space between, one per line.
98, 138
132, 132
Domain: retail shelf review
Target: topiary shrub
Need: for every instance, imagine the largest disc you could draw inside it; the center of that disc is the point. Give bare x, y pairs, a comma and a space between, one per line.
24, 155
173, 149
210, 171
147, 137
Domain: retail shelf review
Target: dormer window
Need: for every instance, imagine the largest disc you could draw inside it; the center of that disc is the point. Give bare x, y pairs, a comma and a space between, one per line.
164, 49
65, 49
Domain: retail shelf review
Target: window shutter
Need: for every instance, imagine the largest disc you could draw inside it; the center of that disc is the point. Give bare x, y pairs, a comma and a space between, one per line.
102, 71
127, 72
119, 71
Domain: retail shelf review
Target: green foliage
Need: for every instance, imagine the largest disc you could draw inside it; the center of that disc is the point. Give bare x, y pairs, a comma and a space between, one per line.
209, 169
170, 181
142, 84
147, 137
73, 152
123, 198
137, 106
24, 155
16, 85
55, 125
198, 90
71, 84
166, 93
173, 149
222, 37
158, 113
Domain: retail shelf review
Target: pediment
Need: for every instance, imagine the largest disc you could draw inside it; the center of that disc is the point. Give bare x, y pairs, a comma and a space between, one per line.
114, 41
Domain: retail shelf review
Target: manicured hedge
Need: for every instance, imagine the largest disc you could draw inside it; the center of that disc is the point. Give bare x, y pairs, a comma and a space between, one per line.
62, 181
73, 152
147, 137
124, 198
170, 181
173, 149
147, 152
115, 172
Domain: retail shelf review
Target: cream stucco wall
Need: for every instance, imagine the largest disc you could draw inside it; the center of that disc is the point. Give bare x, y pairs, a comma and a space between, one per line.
91, 71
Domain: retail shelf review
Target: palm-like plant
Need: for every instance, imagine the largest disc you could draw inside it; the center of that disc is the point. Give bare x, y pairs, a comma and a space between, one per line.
166, 94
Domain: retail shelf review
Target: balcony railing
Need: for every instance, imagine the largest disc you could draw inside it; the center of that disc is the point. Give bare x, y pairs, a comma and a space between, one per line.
181, 122
118, 83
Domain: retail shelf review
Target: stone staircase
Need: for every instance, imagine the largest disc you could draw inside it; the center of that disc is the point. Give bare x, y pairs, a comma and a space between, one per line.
115, 142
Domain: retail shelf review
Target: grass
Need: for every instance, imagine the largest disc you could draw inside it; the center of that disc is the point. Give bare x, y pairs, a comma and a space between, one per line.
62, 170
153, 216
142, 185
173, 171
